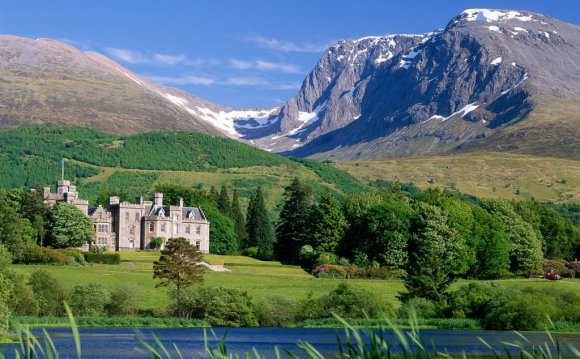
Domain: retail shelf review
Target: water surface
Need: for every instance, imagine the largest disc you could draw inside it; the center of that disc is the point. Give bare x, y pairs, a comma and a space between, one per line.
121, 342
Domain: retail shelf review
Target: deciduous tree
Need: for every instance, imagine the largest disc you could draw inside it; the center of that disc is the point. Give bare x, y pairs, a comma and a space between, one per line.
69, 226
434, 255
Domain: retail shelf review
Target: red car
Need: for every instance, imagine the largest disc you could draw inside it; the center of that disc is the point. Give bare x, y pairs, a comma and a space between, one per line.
552, 276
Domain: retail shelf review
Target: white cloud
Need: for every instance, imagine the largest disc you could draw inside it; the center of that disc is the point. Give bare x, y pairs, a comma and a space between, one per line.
183, 80
262, 65
285, 46
205, 80
271, 66
246, 81
240, 64
287, 86
126, 55
138, 58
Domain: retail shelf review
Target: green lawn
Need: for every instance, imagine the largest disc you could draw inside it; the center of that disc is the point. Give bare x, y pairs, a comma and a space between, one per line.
260, 279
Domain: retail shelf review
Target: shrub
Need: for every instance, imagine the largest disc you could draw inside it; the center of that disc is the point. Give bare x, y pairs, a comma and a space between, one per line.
423, 308
76, 254
352, 271
307, 255
326, 258
251, 252
5, 289
520, 312
557, 265
471, 301
156, 243
48, 292
329, 271
345, 302
89, 300
5, 257
124, 300
21, 300
104, 258
277, 311
27, 253
221, 307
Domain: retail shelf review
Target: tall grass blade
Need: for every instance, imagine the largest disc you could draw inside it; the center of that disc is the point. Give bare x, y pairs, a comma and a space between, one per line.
75, 330
150, 348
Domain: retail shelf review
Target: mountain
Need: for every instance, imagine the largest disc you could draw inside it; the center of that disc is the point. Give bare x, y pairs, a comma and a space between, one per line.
47, 81
490, 79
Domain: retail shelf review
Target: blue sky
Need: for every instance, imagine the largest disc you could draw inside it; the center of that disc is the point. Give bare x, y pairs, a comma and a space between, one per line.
236, 53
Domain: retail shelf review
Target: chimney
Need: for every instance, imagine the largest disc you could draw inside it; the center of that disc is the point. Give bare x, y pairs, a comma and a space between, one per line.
179, 202
158, 199
113, 200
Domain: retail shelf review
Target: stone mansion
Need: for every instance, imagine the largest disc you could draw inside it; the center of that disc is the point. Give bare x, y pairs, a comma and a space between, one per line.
121, 226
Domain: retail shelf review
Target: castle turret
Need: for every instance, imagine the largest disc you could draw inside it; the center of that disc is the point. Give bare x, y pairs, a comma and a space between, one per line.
62, 186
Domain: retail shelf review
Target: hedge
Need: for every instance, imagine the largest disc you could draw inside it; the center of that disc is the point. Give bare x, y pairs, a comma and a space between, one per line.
103, 258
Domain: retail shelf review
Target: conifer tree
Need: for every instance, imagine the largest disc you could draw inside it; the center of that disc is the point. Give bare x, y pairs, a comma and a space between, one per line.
328, 224
258, 227
294, 227
213, 195
223, 202
239, 219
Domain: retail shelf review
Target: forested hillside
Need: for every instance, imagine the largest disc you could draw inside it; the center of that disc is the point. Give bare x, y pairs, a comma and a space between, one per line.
101, 163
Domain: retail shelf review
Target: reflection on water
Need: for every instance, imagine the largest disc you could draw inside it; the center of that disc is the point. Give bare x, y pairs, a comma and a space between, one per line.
121, 343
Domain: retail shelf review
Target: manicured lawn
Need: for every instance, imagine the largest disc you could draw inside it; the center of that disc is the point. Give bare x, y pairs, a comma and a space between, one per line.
260, 279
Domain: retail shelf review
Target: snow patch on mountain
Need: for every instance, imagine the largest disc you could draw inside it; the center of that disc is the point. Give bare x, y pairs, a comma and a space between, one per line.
488, 15
463, 111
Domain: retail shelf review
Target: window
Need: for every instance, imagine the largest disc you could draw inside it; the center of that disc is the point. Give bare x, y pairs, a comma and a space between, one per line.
126, 216
151, 227
163, 227
198, 230
175, 229
132, 230
187, 229
103, 228
197, 245
137, 217
102, 241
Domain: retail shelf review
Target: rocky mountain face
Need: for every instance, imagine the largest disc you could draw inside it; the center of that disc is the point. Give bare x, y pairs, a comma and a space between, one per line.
450, 90
495, 80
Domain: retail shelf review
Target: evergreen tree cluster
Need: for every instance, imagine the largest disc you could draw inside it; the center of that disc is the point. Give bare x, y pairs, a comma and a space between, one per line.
435, 236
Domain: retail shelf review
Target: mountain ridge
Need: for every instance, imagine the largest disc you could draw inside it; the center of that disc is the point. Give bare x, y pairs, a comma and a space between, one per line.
455, 89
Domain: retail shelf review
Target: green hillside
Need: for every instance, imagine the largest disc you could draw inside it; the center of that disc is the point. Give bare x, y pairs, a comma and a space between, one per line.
99, 163
484, 174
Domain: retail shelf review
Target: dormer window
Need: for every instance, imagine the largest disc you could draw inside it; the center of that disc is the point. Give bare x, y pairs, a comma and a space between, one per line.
161, 213
190, 215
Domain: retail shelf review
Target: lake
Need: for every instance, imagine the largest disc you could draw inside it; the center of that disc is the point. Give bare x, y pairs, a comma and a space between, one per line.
121, 343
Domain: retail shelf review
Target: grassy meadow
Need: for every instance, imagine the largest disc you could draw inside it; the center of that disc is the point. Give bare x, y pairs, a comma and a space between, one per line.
259, 278
485, 175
